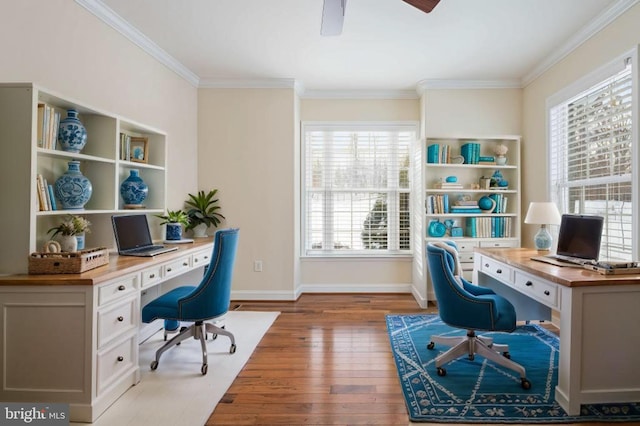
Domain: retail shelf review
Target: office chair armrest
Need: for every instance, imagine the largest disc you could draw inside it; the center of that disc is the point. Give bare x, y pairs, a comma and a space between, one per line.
475, 289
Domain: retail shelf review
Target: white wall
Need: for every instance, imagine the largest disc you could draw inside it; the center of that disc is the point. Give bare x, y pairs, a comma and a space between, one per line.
247, 148
619, 37
60, 46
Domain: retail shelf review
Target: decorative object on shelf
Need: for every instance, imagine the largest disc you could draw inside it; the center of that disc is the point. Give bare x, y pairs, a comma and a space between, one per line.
437, 229
496, 178
456, 231
543, 214
501, 152
485, 183
174, 220
486, 204
457, 159
73, 189
72, 231
139, 149
72, 135
133, 190
451, 179
203, 212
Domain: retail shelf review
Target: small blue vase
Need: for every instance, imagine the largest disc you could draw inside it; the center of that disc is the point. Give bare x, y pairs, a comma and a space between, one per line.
174, 231
133, 190
72, 135
73, 189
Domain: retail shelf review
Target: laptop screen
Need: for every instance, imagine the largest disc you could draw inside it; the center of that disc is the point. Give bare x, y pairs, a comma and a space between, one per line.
131, 231
580, 236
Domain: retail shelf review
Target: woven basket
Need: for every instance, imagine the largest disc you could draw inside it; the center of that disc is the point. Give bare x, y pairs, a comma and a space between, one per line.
68, 263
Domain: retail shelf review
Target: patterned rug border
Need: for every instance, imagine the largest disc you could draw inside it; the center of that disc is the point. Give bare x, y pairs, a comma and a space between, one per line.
423, 393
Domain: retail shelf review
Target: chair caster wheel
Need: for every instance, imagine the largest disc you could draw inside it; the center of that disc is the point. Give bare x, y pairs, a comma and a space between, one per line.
431, 345
442, 372
204, 369
507, 355
526, 384
472, 357
154, 365
232, 349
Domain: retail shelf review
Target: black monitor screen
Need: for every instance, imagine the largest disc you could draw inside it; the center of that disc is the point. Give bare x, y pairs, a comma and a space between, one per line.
580, 236
131, 231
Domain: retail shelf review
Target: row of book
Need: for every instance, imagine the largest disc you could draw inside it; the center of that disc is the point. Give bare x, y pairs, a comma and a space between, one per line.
438, 154
48, 124
46, 199
488, 227
440, 204
125, 147
470, 151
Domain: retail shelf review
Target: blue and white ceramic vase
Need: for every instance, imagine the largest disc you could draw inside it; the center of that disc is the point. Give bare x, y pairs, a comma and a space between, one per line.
72, 136
73, 189
174, 231
133, 190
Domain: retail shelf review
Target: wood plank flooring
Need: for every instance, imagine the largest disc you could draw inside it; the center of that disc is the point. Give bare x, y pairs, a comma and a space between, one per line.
326, 360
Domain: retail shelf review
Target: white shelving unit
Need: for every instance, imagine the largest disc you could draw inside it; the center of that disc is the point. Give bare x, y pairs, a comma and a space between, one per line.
25, 225
468, 176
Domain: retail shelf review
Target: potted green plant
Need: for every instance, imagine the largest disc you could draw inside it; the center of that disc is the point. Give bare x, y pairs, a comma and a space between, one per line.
203, 212
71, 230
174, 220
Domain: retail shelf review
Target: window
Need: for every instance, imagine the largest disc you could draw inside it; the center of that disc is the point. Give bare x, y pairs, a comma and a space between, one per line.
356, 188
591, 157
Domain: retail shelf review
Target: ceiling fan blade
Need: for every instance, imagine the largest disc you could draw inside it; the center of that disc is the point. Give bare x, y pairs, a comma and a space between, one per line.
332, 17
424, 5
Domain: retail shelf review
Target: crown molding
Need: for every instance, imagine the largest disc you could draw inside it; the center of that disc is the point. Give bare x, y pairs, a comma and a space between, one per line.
115, 21
580, 37
466, 84
260, 83
359, 94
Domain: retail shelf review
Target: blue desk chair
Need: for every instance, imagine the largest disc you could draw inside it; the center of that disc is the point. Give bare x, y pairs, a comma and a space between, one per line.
208, 300
464, 305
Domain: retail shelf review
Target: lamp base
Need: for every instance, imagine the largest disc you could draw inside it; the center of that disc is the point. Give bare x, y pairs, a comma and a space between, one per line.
543, 239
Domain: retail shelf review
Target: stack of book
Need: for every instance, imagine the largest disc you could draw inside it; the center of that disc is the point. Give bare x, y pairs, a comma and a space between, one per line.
488, 227
48, 124
438, 154
448, 185
470, 151
46, 199
437, 204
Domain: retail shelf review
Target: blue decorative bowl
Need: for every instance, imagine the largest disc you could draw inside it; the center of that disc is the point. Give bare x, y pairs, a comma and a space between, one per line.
451, 179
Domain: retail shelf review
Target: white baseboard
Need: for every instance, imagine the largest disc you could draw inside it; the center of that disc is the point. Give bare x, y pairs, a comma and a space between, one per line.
321, 288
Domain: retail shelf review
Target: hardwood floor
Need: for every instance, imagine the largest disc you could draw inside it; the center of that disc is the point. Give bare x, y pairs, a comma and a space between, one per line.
326, 360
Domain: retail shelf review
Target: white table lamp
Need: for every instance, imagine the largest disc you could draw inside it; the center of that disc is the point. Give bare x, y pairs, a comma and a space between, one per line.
543, 214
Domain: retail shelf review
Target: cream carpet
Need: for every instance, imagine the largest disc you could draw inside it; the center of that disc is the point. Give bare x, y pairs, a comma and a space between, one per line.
176, 393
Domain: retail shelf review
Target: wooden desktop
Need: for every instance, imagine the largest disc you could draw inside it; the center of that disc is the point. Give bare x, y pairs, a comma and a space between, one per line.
599, 321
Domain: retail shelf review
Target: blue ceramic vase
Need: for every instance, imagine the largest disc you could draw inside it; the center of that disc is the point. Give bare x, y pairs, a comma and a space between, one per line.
73, 189
133, 190
72, 136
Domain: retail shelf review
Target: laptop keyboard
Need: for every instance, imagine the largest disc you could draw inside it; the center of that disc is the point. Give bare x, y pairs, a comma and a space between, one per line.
145, 249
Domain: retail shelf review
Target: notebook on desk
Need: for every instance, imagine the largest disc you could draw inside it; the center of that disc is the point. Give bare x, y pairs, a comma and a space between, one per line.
578, 241
133, 237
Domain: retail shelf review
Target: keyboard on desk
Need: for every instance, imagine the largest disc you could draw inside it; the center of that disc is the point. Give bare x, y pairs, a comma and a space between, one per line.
148, 251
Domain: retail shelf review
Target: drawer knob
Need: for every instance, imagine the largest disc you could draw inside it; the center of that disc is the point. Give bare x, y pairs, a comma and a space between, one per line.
168, 269
120, 318
195, 260
499, 271
546, 292
486, 265
185, 264
120, 358
152, 276
206, 257
121, 287
528, 284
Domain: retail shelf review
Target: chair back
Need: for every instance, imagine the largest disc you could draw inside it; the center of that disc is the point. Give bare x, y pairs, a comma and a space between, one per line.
211, 298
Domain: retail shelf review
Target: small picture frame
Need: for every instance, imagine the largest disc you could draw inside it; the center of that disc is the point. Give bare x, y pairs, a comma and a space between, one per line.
139, 149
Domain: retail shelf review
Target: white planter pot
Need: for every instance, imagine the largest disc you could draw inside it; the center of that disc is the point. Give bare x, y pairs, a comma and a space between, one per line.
68, 243
200, 231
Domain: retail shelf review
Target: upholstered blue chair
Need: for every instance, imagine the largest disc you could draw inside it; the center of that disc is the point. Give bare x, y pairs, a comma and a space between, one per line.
464, 305
209, 300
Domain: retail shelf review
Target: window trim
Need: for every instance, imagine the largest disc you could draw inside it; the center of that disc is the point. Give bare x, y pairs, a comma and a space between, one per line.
345, 125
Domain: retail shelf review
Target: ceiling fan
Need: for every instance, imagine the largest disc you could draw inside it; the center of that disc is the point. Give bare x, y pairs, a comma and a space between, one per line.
333, 14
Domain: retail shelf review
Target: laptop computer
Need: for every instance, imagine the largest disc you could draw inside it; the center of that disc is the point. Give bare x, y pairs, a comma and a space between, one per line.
578, 241
133, 237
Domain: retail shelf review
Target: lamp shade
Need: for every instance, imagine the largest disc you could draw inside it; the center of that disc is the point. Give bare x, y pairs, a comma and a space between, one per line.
543, 213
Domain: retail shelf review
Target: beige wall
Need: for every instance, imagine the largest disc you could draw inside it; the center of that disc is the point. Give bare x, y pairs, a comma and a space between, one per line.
247, 147
60, 46
357, 274
619, 37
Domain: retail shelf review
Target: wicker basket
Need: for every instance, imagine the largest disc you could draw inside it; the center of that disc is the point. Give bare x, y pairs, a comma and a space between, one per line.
68, 263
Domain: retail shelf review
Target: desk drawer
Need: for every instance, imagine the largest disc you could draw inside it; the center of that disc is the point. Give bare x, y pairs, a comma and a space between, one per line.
115, 362
498, 243
177, 267
466, 246
466, 257
497, 269
151, 276
117, 289
536, 288
202, 258
116, 321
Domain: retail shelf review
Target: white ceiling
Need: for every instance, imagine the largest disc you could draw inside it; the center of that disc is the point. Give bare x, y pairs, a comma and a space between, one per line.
386, 45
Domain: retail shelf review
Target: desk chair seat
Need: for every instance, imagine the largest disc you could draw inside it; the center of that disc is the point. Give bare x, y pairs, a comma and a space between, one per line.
466, 306
209, 300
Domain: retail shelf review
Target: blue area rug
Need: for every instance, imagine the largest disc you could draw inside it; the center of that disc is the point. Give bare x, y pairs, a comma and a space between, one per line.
479, 391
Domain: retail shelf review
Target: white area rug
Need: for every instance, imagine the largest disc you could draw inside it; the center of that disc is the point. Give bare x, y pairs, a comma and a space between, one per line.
176, 393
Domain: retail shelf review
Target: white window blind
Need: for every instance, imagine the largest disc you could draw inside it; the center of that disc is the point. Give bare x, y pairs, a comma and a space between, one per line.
356, 189
591, 159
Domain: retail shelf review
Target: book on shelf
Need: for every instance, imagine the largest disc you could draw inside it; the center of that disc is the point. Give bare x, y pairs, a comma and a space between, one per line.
42, 197
47, 126
448, 185
52, 198
125, 147
470, 151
